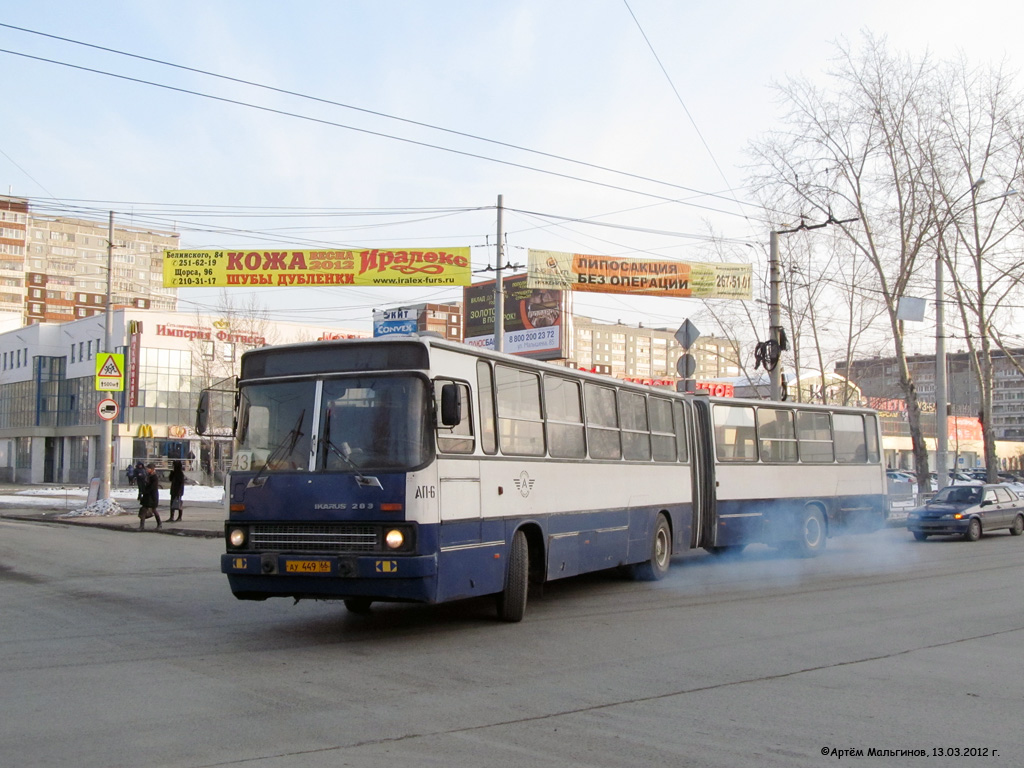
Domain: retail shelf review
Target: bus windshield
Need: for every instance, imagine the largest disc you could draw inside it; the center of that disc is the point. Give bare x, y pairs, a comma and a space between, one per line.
275, 426
378, 422
365, 423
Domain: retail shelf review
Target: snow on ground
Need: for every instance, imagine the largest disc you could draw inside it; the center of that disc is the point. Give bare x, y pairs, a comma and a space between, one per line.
46, 496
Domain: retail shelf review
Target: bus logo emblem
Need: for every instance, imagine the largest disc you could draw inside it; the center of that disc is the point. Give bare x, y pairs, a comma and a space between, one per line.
524, 483
387, 566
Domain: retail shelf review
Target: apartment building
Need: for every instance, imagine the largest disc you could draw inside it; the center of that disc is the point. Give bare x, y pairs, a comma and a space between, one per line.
627, 351
54, 268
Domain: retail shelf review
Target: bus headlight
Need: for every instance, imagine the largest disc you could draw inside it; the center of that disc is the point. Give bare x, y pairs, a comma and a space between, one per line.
236, 538
394, 538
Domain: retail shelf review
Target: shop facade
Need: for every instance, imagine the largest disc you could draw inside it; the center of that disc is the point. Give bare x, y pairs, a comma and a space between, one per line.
50, 428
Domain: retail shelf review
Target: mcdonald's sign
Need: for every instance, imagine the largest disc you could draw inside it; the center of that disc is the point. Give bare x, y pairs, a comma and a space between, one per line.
145, 430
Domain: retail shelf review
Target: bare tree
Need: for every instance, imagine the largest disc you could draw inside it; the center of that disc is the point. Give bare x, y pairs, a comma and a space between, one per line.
237, 326
980, 241
859, 151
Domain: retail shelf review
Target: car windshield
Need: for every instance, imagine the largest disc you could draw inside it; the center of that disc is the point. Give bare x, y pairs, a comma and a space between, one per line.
959, 494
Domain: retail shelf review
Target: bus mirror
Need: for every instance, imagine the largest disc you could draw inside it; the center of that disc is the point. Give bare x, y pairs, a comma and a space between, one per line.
451, 405
203, 412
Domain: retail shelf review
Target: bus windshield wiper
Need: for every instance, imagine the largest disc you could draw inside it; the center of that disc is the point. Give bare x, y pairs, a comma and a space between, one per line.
283, 448
364, 481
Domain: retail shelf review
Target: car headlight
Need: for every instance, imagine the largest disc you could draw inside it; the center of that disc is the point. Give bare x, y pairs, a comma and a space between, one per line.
236, 538
394, 538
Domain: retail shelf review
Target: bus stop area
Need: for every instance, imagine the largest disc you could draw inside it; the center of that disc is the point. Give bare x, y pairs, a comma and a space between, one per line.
203, 514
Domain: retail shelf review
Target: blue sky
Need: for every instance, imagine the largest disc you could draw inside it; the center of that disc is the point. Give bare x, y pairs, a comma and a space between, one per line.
569, 78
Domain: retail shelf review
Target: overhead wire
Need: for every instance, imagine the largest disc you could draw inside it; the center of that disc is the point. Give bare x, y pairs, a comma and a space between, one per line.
367, 131
376, 113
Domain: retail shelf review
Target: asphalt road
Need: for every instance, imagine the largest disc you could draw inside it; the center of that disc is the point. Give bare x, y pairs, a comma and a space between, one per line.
120, 649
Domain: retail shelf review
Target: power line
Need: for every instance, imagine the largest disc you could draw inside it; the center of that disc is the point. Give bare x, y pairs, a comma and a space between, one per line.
375, 113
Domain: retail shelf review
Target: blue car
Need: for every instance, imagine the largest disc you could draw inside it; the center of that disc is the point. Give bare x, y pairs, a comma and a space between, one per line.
968, 511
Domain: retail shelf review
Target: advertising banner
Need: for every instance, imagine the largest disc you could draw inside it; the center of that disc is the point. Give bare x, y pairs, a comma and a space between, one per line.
376, 267
534, 319
610, 274
394, 321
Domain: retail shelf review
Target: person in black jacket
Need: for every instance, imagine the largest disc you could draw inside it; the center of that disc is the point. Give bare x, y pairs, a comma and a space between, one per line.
150, 497
177, 490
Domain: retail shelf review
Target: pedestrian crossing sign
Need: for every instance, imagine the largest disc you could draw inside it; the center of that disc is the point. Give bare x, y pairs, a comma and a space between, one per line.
109, 372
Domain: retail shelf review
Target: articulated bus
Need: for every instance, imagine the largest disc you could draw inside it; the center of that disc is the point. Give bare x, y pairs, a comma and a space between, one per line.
415, 469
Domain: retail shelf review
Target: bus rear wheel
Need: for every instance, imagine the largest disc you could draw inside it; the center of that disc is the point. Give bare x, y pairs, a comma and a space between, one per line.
811, 534
661, 554
512, 599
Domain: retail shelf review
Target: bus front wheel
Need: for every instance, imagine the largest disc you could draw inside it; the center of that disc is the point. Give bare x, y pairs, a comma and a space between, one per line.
512, 600
661, 554
358, 605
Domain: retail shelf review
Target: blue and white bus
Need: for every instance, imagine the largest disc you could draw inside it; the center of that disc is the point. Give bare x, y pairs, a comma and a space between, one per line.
416, 469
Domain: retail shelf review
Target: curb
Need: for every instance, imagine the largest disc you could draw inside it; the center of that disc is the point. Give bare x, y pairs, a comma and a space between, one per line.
124, 527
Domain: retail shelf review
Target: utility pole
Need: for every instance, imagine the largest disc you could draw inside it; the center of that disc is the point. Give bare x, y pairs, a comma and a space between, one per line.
774, 307
499, 289
774, 315
106, 436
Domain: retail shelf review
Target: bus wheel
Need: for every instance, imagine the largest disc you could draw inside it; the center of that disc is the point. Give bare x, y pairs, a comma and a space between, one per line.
811, 534
512, 600
919, 536
358, 605
661, 554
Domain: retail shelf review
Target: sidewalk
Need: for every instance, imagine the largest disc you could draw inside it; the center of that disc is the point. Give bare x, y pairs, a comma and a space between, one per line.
201, 517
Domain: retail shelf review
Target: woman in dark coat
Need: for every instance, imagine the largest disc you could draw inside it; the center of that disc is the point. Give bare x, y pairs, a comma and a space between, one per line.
150, 497
177, 477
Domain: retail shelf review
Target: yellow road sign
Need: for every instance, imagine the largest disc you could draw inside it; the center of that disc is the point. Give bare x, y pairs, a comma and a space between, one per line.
109, 372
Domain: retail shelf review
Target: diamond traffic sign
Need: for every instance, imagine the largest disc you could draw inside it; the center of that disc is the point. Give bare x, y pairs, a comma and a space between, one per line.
687, 334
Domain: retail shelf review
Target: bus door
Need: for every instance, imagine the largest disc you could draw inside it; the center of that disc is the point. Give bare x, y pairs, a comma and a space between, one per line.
702, 468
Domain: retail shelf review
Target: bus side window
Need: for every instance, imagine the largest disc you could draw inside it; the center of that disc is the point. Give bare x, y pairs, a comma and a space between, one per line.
735, 435
663, 439
485, 389
564, 412
602, 422
814, 436
679, 418
777, 434
851, 447
520, 427
458, 438
871, 432
636, 436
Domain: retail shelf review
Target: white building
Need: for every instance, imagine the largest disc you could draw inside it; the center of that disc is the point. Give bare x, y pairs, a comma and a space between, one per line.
50, 430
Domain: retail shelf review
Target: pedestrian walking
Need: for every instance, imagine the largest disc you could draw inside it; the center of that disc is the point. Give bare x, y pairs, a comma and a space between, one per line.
140, 478
150, 497
177, 478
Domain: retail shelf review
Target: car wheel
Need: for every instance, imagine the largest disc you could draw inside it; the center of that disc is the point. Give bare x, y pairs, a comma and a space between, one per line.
973, 532
1018, 526
918, 536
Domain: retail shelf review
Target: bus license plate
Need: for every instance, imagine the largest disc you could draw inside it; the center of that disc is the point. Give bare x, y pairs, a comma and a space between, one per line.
307, 566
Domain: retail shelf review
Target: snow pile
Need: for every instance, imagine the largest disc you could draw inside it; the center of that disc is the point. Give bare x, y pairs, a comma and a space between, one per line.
101, 508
